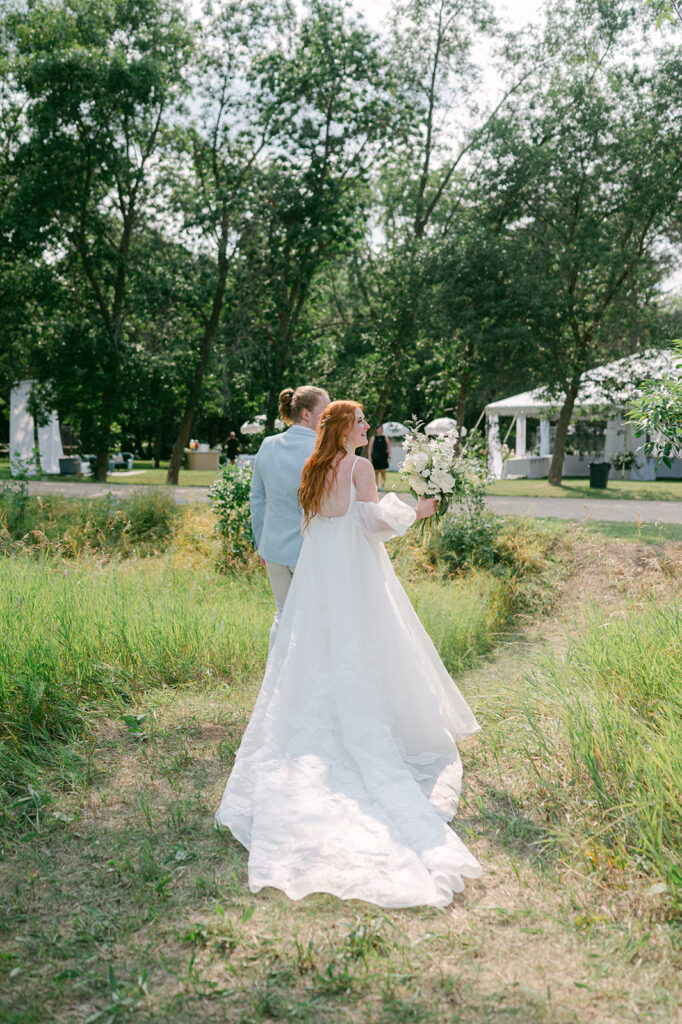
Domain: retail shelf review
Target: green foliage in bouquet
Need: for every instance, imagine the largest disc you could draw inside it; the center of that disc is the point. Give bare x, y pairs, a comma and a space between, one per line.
229, 497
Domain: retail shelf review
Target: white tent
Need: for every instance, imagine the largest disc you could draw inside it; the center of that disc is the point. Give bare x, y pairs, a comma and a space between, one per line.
608, 390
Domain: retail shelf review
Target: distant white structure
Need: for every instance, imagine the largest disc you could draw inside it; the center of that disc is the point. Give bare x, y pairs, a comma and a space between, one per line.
606, 390
22, 436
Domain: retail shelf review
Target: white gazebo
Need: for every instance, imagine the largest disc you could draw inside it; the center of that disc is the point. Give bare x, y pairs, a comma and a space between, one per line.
607, 391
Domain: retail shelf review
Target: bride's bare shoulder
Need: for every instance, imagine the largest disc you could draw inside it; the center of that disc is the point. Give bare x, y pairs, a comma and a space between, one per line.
363, 469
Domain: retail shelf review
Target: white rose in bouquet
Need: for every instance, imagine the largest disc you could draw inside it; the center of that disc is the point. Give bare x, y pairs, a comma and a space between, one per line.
420, 461
418, 484
443, 481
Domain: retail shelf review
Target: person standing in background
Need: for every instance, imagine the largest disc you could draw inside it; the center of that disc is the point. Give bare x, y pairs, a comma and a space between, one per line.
380, 456
233, 447
275, 511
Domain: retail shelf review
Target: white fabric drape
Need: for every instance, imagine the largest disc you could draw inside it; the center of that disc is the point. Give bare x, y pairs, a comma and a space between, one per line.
494, 447
21, 431
50, 445
520, 436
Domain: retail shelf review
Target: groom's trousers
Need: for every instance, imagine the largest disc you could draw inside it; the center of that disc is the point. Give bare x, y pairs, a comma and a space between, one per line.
280, 577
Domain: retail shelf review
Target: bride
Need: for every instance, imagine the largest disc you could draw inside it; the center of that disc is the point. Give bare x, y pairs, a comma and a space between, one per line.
348, 772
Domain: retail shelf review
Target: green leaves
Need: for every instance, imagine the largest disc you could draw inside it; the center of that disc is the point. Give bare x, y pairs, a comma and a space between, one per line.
657, 414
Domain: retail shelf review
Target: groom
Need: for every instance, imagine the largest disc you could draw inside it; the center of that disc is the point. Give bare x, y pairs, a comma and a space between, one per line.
275, 512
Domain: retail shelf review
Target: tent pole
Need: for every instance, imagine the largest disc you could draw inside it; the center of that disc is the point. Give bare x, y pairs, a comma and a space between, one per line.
510, 428
471, 432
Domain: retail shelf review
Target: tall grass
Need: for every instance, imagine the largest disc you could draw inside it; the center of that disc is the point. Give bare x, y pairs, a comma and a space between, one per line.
464, 616
81, 638
85, 631
141, 524
610, 738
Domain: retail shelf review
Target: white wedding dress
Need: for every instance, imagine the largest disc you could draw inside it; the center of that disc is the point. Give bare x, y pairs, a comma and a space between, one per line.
348, 772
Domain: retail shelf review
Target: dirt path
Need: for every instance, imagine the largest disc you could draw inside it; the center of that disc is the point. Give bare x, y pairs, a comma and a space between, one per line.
126, 905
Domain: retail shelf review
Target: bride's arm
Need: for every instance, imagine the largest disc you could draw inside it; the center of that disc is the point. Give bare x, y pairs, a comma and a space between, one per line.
389, 517
365, 481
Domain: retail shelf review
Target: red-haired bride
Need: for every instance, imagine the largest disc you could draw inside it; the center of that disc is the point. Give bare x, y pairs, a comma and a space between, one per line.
348, 772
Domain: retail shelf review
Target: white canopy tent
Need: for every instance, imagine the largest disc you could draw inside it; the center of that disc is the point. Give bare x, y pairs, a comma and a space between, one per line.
608, 390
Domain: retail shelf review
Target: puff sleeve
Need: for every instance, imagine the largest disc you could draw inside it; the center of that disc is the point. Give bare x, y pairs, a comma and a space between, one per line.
391, 517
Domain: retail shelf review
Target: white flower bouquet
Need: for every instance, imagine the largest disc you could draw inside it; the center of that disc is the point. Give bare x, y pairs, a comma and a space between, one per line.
434, 467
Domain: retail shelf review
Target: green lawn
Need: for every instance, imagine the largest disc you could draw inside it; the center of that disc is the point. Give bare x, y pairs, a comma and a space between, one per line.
194, 478
579, 487
572, 487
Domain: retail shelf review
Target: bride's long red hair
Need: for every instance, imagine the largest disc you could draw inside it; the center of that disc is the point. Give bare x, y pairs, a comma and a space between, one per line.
335, 424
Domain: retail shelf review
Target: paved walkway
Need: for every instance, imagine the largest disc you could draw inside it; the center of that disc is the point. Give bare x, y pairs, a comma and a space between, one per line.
578, 509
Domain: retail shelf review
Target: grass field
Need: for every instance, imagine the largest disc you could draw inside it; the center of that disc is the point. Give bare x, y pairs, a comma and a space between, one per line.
647, 533
124, 690
574, 487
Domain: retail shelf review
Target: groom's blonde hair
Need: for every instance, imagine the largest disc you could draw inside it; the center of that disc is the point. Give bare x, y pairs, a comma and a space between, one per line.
335, 423
292, 403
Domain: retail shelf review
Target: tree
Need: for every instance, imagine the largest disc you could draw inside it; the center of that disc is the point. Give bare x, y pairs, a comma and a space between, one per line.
330, 96
586, 171
665, 10
422, 189
21, 280
214, 166
99, 81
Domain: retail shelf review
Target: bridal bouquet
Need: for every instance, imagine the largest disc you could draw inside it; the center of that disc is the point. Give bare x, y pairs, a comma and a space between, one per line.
434, 468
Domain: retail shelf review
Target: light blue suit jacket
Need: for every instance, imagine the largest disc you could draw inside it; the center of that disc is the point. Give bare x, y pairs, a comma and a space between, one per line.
275, 511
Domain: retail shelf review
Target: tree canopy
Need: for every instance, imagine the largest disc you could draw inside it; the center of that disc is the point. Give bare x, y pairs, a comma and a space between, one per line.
197, 213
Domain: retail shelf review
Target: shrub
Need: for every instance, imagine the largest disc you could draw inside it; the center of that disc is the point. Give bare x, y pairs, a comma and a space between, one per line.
229, 497
485, 541
467, 541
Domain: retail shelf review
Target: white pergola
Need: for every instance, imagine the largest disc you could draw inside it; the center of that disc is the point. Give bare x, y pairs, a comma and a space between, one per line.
608, 389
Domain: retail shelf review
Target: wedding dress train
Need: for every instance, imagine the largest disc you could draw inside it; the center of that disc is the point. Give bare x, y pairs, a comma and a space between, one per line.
348, 772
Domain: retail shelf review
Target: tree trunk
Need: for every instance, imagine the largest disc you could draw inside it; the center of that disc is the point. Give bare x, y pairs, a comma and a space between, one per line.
556, 466
462, 404
102, 467
205, 350
182, 439
158, 444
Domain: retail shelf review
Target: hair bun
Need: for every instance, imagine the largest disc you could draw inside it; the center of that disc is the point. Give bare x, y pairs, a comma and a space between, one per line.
285, 398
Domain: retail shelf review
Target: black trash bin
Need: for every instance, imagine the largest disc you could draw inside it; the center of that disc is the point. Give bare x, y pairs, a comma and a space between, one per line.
599, 474
70, 465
